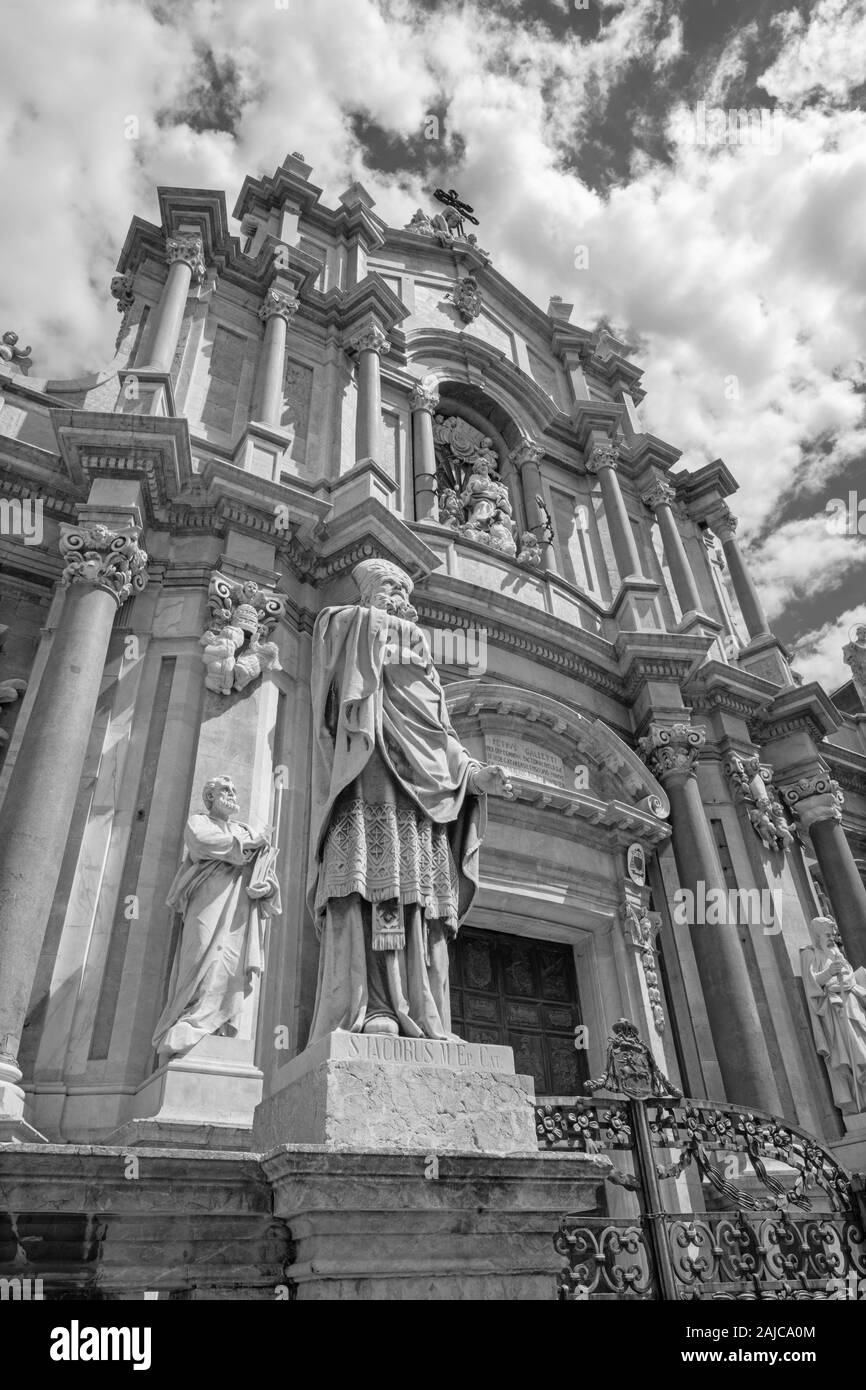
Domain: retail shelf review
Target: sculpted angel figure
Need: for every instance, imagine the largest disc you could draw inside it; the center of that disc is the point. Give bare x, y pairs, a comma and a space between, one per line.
399, 811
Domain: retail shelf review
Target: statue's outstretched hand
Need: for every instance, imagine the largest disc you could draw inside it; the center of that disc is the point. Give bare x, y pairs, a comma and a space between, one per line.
492, 779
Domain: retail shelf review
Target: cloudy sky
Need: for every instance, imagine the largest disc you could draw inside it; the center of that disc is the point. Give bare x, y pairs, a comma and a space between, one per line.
735, 264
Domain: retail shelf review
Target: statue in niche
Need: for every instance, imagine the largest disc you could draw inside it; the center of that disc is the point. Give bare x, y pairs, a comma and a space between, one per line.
399, 811
226, 890
837, 1004
473, 499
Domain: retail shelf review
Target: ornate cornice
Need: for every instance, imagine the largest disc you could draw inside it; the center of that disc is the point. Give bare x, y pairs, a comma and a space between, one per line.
109, 560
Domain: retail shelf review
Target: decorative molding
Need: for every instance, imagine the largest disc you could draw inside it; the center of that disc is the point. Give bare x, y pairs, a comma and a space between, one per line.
752, 784
16, 358
242, 615
370, 339
814, 797
121, 290
671, 750
659, 494
641, 929
187, 247
466, 298
423, 397
110, 560
278, 304
602, 456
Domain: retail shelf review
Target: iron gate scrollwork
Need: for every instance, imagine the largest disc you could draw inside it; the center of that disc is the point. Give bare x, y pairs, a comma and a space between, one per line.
749, 1207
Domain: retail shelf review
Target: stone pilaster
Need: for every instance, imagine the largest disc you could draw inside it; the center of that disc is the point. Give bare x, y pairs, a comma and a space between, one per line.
525, 461
672, 754
104, 566
424, 402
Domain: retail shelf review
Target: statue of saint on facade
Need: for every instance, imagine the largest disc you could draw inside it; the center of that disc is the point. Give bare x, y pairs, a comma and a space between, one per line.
226, 889
399, 811
837, 1005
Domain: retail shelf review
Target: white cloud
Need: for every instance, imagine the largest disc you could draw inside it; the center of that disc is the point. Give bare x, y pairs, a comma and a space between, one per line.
817, 655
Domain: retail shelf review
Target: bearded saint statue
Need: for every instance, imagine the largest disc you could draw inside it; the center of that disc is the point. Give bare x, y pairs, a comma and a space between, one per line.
399, 811
837, 1005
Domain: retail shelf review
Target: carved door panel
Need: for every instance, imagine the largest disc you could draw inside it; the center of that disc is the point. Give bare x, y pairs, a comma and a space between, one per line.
520, 992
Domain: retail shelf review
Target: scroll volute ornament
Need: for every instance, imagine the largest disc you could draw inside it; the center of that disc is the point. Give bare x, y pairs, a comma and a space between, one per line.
109, 560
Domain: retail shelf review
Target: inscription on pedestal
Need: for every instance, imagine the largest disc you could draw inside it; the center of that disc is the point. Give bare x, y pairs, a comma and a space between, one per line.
425, 1051
524, 759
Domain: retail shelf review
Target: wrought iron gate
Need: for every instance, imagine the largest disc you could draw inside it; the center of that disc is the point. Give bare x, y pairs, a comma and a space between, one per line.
781, 1219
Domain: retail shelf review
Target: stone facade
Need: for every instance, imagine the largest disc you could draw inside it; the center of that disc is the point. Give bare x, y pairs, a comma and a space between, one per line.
604, 640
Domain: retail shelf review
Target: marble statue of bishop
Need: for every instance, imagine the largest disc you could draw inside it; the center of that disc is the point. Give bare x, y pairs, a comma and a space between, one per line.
399, 811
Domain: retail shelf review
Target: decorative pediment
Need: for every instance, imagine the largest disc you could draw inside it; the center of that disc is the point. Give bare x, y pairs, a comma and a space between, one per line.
560, 758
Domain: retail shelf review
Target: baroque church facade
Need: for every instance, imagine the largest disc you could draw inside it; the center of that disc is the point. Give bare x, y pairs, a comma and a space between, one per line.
282, 407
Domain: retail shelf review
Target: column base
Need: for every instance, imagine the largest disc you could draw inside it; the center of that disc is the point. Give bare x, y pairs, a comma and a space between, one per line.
355, 1092
14, 1129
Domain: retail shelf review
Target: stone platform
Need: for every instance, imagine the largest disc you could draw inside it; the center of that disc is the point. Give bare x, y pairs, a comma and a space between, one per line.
356, 1092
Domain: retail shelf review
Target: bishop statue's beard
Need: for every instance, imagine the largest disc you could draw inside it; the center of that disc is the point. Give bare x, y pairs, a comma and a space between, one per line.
400, 608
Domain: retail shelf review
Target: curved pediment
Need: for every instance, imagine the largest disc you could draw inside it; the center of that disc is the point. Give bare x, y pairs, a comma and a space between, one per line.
560, 757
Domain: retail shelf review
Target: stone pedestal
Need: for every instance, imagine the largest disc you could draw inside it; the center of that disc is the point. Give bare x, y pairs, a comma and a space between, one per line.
383, 1226
353, 1092
208, 1089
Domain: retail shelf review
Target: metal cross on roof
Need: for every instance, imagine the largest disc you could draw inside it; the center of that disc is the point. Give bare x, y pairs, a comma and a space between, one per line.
458, 209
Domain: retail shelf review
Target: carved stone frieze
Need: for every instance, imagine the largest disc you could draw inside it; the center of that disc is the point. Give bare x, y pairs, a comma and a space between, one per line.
110, 560
236, 649
641, 929
752, 784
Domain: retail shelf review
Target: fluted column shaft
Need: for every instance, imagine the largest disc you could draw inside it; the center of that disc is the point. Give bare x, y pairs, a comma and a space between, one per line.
730, 1002
661, 498
186, 263
724, 523
104, 567
423, 403
603, 460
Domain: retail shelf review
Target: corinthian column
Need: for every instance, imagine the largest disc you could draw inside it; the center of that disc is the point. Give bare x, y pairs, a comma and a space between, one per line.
660, 499
423, 402
672, 754
184, 253
103, 568
277, 311
525, 460
603, 460
724, 524
369, 344
817, 803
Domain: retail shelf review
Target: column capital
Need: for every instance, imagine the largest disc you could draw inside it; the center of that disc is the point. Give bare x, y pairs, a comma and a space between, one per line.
525, 452
424, 397
723, 522
111, 560
602, 456
187, 247
659, 494
369, 339
814, 797
278, 304
671, 750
